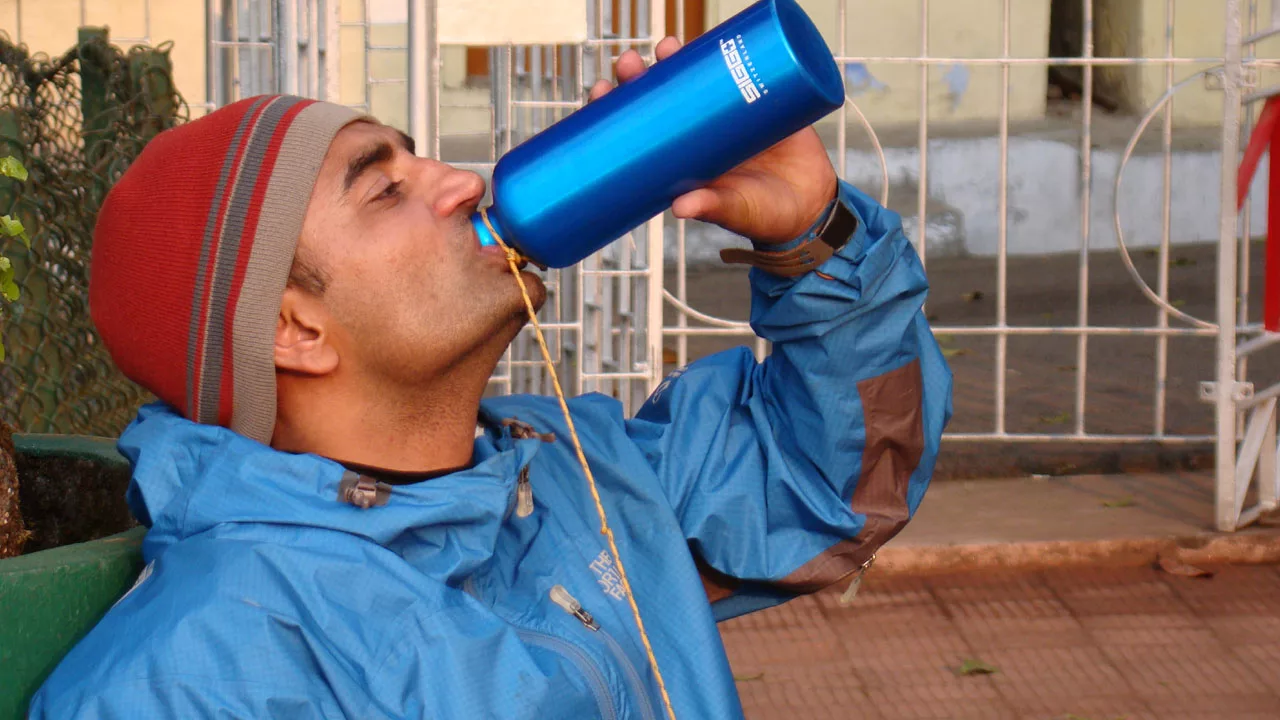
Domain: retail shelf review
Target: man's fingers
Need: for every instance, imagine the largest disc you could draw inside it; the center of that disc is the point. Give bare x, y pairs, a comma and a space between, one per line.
629, 66
599, 89
667, 47
696, 205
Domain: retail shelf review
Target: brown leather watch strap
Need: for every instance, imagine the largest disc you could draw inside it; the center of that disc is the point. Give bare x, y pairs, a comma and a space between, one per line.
805, 257
785, 264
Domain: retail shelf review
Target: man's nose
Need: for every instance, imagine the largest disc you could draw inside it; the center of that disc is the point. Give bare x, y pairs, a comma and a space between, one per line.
458, 190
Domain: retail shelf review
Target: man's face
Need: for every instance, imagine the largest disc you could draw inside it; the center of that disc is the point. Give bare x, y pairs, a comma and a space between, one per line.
408, 291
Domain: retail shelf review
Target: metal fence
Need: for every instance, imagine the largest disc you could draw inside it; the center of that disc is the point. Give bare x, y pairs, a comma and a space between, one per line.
606, 316
76, 121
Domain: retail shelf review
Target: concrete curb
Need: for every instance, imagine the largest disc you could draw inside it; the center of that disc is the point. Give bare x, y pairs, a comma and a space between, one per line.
1253, 546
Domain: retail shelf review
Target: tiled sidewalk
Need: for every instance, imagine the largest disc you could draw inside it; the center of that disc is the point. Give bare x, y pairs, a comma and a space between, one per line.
1065, 644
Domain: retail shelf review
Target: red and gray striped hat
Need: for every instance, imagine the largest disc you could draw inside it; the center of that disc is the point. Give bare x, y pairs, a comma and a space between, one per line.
192, 251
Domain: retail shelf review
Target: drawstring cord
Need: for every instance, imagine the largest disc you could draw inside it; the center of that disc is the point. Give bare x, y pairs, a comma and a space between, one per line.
514, 259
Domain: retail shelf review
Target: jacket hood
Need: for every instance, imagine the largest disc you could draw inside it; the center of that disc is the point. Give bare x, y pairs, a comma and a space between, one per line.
189, 478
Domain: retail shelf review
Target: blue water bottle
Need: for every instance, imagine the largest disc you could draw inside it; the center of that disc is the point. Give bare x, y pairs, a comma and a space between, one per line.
740, 88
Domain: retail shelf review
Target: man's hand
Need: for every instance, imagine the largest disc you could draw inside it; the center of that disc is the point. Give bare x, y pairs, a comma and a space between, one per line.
771, 198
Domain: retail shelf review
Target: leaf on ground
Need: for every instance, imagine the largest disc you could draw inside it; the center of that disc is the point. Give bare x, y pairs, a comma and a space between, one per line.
1059, 419
1120, 502
973, 296
748, 678
953, 352
945, 340
1170, 563
1179, 303
974, 666
1067, 368
1183, 262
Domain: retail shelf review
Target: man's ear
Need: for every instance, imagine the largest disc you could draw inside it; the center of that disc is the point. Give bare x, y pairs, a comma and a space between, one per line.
303, 344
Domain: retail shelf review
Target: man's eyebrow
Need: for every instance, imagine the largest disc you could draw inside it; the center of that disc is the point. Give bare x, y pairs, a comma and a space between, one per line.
379, 153
408, 143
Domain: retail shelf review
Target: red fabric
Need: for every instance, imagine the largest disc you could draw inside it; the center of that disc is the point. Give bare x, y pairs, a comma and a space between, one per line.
1266, 135
268, 163
1271, 274
146, 252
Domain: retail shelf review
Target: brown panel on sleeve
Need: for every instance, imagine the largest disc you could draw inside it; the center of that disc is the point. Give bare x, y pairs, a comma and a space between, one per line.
715, 584
893, 413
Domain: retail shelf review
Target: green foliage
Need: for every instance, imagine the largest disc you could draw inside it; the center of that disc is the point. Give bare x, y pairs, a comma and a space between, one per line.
10, 227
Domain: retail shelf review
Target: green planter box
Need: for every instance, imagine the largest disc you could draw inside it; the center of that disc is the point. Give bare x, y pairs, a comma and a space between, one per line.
51, 598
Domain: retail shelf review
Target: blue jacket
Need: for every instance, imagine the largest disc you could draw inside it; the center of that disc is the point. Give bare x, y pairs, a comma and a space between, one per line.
267, 593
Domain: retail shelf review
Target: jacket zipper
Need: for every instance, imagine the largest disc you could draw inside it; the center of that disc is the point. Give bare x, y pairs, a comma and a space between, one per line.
569, 651
570, 604
578, 657
524, 494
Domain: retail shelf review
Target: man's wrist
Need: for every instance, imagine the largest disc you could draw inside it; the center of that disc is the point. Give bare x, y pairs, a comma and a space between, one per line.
831, 232
815, 228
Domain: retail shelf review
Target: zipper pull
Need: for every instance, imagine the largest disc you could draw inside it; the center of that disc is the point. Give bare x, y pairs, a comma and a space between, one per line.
524, 494
570, 604
847, 598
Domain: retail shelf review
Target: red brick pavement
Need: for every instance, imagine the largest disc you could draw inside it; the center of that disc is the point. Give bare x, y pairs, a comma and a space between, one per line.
1067, 644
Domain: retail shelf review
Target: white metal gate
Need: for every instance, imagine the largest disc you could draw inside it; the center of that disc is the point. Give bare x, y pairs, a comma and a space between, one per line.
605, 316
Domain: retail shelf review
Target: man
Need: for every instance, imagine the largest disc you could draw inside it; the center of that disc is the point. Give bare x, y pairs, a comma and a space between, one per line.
339, 527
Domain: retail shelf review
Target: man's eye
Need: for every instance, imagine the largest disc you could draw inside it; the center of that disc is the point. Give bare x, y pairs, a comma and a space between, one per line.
391, 191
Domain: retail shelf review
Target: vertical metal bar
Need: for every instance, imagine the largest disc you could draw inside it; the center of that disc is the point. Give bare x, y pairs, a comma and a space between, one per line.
842, 117
83, 20
17, 20
368, 55
509, 63
535, 89
419, 76
624, 22
656, 281
1162, 281
212, 60
146, 21
313, 50
246, 58
286, 34
682, 262
1268, 492
1002, 261
1246, 234
1224, 401
1086, 230
922, 184
332, 50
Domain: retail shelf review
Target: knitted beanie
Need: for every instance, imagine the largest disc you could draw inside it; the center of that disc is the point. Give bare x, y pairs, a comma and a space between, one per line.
192, 250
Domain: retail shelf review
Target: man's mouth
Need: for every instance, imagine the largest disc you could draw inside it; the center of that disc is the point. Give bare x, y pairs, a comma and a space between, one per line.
499, 251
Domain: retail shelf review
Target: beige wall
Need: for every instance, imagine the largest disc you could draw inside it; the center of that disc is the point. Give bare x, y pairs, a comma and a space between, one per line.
957, 28
50, 26
463, 110
1199, 30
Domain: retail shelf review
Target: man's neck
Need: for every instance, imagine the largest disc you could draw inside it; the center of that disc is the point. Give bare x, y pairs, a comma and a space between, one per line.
422, 430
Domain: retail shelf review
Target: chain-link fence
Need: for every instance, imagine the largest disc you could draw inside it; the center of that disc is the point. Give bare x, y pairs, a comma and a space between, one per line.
75, 121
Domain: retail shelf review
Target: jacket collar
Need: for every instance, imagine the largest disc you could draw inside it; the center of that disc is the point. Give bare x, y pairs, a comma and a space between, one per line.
189, 478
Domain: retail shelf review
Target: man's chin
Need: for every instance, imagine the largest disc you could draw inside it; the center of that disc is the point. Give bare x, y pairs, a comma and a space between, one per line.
537, 290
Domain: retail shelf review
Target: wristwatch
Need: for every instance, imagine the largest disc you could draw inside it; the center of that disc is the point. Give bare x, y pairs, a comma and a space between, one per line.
815, 248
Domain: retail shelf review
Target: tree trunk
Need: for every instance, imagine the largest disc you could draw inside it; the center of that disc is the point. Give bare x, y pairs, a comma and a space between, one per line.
13, 534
